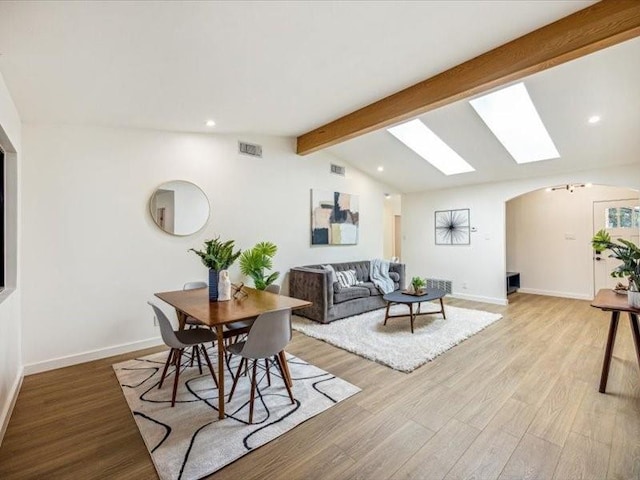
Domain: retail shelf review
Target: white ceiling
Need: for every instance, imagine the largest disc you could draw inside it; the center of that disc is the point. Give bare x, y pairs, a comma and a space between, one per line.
604, 83
284, 68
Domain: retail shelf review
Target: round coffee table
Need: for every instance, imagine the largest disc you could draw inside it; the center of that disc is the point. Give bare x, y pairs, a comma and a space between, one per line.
408, 299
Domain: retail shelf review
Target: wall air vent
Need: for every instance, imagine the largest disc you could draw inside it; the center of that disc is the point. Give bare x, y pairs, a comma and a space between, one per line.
338, 170
250, 149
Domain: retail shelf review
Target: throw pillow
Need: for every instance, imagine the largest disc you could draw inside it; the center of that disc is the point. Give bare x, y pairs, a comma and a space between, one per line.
332, 273
347, 278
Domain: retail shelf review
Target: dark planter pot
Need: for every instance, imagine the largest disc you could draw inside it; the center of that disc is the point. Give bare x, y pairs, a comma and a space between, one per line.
213, 285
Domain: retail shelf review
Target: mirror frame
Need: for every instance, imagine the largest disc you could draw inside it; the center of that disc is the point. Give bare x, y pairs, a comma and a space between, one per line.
153, 216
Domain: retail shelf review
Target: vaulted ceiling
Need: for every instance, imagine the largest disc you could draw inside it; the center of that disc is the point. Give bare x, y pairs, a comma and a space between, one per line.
284, 68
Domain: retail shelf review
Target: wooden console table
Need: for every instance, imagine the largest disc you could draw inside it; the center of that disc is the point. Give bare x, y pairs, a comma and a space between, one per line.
609, 301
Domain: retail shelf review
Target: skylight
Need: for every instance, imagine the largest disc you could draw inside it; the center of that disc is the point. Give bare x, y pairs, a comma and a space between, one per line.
512, 117
419, 138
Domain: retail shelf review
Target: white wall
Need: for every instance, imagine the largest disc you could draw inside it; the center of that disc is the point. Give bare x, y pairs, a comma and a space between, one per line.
482, 264
94, 256
10, 322
548, 239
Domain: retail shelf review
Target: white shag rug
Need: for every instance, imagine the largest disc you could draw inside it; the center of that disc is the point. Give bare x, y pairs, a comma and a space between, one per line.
394, 345
188, 441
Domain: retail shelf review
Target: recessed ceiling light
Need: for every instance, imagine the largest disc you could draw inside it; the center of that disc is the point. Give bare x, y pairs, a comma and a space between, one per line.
588, 185
549, 189
512, 117
387, 196
594, 119
419, 138
381, 169
210, 123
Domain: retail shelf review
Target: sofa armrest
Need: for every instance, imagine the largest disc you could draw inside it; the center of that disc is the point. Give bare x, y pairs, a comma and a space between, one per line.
313, 285
399, 268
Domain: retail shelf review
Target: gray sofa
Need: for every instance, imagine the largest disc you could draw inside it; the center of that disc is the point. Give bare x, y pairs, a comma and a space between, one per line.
330, 302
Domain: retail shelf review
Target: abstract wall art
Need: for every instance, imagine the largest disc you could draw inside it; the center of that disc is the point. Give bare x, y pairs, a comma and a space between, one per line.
335, 218
452, 227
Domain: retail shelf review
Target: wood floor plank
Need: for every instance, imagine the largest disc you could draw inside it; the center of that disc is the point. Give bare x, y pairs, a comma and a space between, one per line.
527, 385
486, 457
438, 455
582, 459
556, 414
533, 459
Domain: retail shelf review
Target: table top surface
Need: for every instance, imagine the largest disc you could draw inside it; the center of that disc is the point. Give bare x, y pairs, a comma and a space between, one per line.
607, 299
196, 304
400, 297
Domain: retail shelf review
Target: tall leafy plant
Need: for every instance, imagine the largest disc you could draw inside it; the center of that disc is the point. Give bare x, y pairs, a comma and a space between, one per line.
256, 261
625, 251
218, 255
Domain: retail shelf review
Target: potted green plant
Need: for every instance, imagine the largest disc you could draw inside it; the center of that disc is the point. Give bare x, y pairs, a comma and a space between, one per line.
255, 263
418, 284
216, 256
629, 254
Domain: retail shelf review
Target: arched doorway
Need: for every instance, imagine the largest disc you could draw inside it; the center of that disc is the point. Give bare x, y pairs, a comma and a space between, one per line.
548, 234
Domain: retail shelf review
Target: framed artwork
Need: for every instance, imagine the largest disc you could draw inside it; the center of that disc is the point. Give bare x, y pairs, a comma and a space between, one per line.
334, 218
452, 227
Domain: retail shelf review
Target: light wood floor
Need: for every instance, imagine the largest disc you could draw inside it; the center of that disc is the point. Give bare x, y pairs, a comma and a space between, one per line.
518, 400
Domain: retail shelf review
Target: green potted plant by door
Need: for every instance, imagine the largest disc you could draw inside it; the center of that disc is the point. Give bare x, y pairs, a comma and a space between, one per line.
256, 262
217, 256
629, 254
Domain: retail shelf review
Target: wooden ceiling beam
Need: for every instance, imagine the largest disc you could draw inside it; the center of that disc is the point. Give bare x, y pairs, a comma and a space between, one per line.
594, 28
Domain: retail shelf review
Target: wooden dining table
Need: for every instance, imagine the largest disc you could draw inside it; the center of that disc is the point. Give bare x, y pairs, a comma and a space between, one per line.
248, 305
609, 301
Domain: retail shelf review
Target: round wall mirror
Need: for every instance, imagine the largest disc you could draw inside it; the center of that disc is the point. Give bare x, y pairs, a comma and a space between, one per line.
179, 207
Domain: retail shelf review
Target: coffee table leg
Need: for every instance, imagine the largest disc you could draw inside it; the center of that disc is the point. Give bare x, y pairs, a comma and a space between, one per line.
411, 315
611, 340
386, 315
442, 308
635, 331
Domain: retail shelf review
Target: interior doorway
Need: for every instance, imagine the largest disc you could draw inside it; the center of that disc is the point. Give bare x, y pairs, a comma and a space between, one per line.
621, 219
548, 237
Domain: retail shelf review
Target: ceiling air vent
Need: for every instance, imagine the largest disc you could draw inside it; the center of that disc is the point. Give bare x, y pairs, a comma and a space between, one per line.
338, 170
250, 149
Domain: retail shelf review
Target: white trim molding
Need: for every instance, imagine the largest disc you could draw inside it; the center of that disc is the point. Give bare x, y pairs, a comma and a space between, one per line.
7, 408
479, 298
552, 293
90, 355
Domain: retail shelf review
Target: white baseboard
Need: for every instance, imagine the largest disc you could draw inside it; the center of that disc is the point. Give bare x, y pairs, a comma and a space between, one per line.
552, 293
7, 408
74, 359
480, 298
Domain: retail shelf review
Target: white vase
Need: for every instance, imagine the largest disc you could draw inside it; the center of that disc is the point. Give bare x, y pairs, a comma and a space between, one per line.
633, 299
224, 286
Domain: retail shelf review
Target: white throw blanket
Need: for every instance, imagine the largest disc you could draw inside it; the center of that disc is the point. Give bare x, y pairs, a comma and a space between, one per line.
379, 274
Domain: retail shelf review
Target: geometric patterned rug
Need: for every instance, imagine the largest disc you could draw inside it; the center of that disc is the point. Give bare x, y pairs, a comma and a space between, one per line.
393, 344
188, 441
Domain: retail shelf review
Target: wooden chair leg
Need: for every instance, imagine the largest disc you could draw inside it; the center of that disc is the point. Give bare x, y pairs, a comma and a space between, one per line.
206, 357
166, 366
175, 380
267, 368
198, 357
253, 391
235, 379
284, 379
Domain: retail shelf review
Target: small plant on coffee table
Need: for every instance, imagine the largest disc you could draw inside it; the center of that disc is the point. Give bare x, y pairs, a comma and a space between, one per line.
418, 284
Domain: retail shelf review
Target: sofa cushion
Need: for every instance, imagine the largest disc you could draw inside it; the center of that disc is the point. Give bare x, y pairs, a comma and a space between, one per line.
349, 293
395, 276
373, 290
361, 269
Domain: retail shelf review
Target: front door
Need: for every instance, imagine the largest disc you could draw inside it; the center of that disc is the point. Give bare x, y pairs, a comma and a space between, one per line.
621, 218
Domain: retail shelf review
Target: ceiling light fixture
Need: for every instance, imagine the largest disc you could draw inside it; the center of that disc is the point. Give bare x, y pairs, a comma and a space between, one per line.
210, 123
513, 119
570, 187
381, 169
594, 119
419, 138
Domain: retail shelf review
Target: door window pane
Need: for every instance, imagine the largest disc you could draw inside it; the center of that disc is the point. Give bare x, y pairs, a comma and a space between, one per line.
611, 217
625, 217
